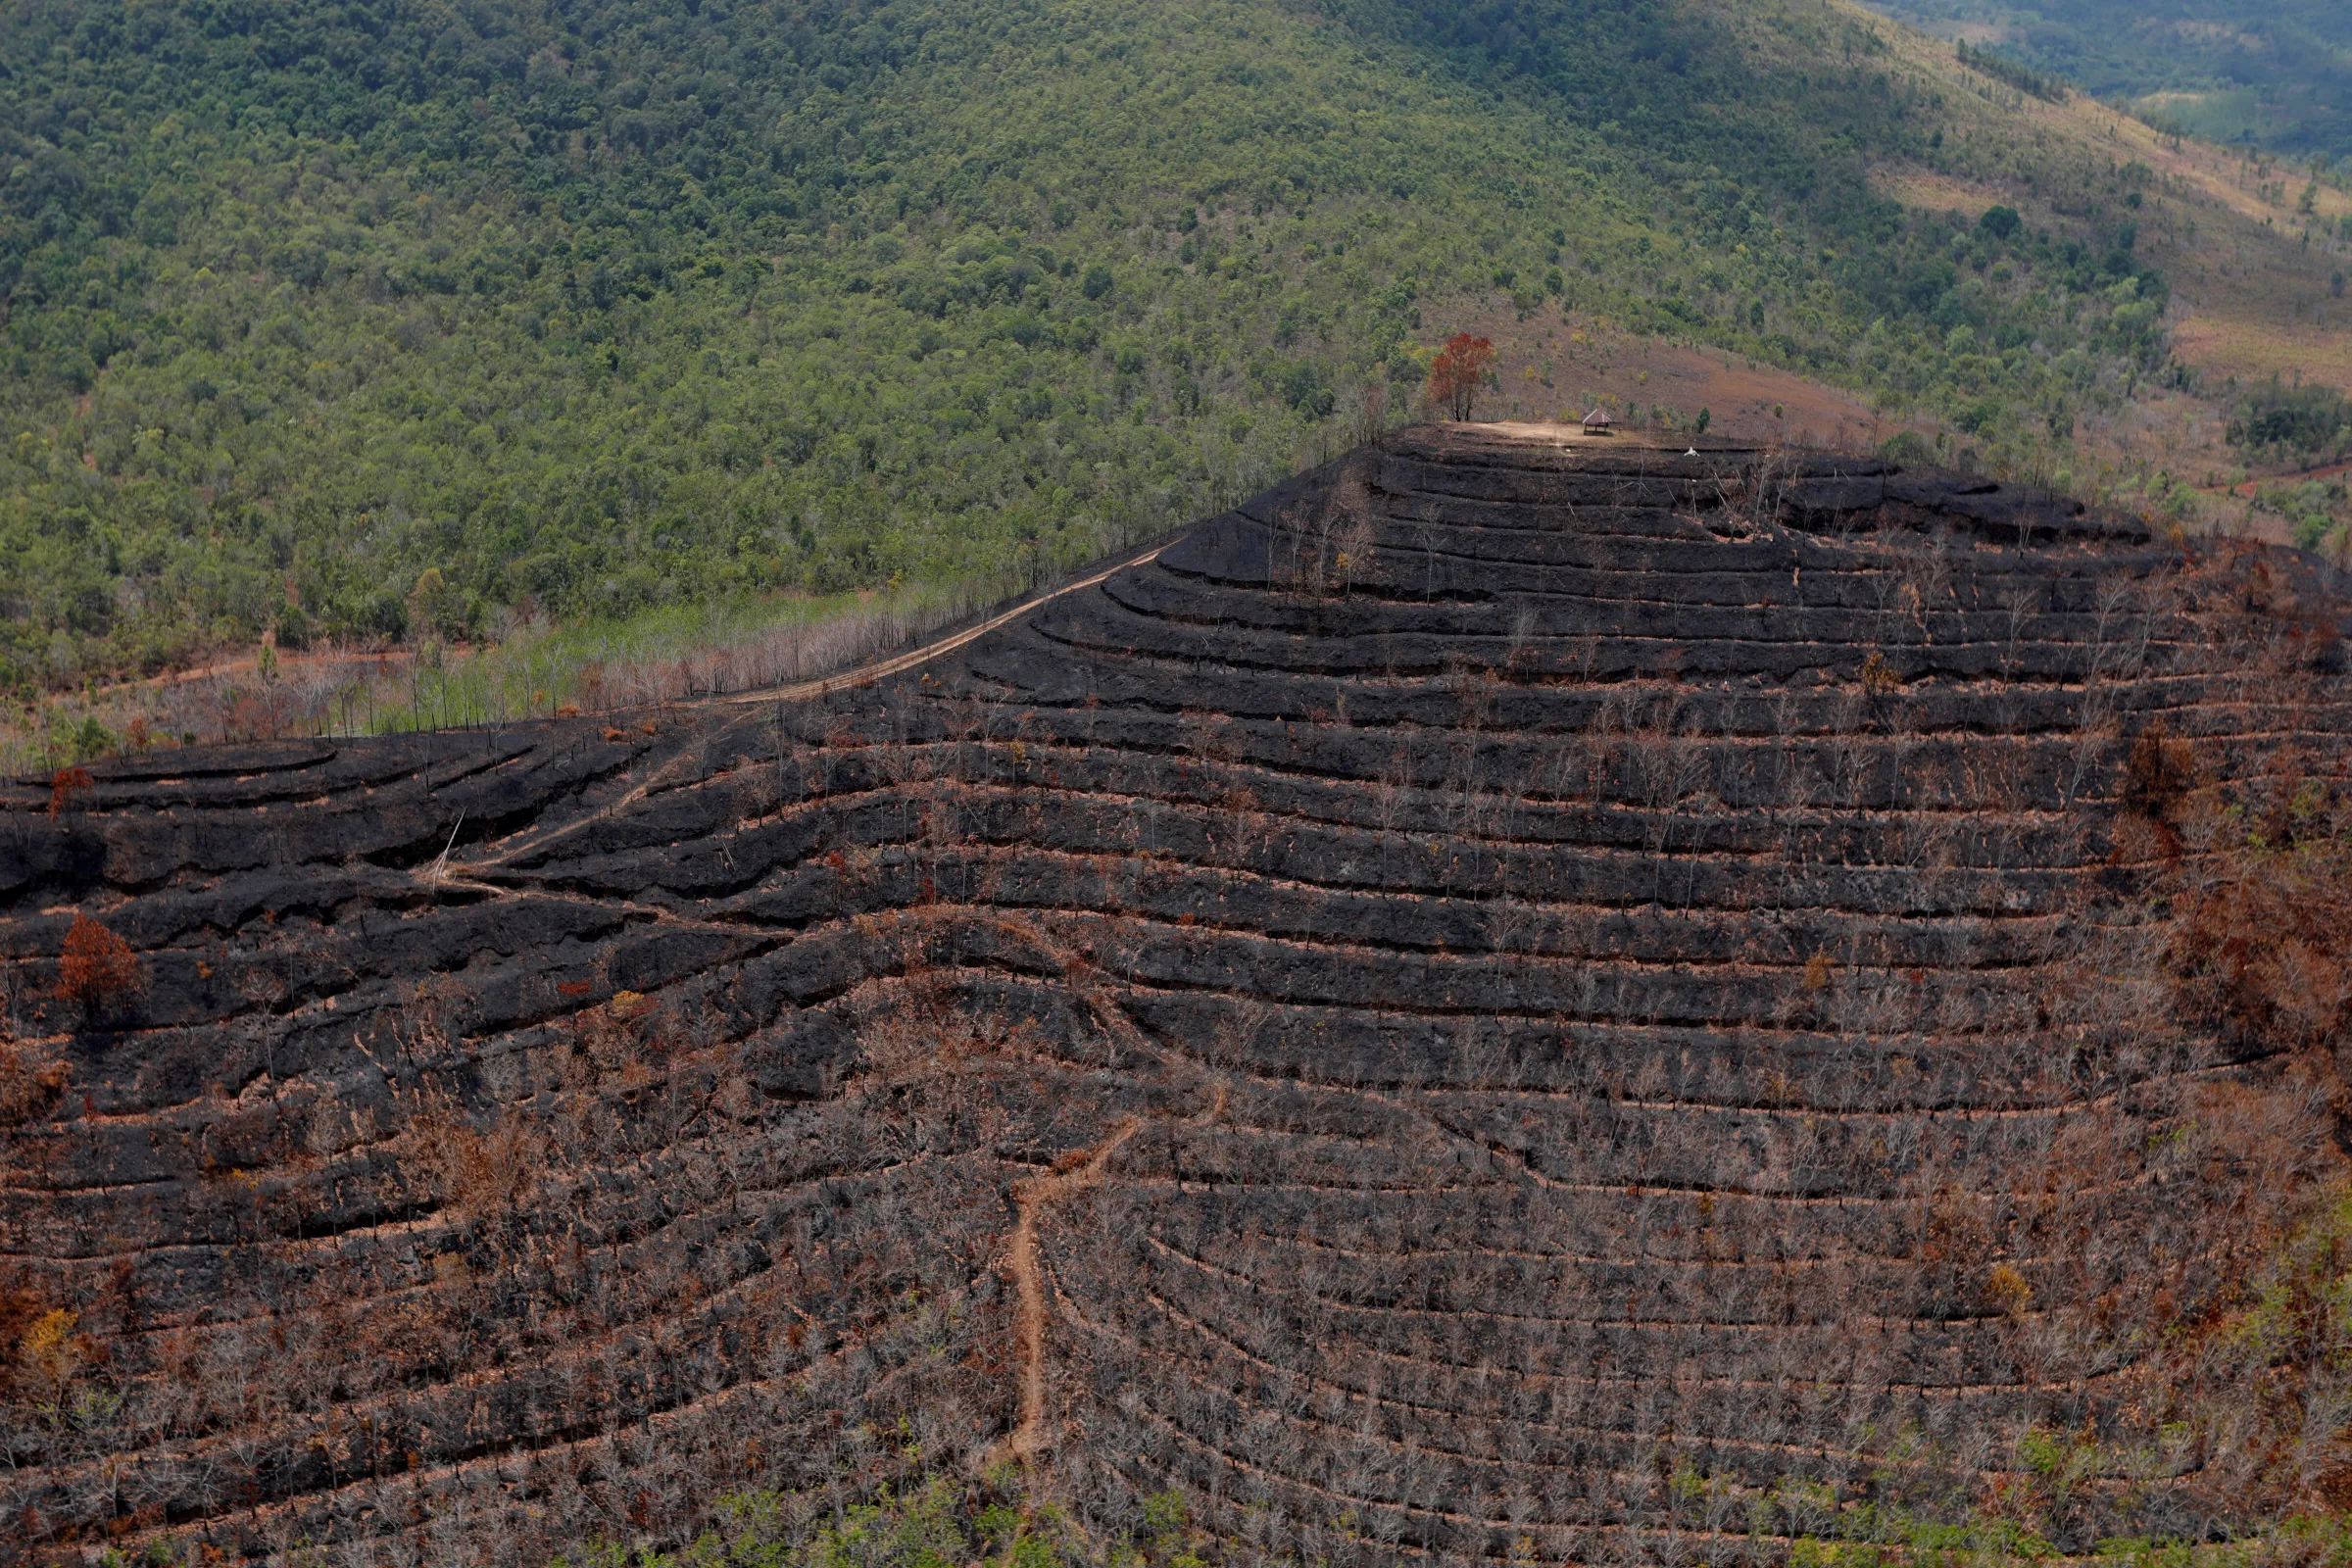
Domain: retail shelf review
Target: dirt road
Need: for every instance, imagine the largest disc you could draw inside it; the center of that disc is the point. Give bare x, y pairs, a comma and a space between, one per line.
914, 657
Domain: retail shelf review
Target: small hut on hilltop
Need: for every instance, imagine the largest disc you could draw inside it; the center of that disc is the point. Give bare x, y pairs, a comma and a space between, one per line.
1598, 423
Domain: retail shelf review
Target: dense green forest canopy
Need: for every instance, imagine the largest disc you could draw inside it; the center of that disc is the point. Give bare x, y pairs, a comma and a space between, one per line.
382, 318
2275, 71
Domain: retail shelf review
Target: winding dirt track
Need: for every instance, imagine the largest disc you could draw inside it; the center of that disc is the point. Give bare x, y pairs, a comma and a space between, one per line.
537, 843
914, 658
1028, 1436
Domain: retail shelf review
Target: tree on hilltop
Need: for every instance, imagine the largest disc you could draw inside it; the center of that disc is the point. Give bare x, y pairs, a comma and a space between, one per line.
1454, 375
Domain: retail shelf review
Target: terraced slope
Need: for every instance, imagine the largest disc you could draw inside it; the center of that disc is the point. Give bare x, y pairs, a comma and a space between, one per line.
1501, 997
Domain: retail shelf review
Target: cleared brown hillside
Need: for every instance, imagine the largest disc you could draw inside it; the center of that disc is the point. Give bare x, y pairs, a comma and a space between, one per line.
1511, 994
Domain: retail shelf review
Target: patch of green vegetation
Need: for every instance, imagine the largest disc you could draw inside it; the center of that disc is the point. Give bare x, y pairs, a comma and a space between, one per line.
536, 669
2317, 512
2025, 79
942, 1523
2305, 424
2276, 74
664, 653
377, 321
947, 1523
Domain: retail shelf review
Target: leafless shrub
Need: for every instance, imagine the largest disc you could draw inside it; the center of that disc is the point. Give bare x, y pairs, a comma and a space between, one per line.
1320, 547
479, 1170
31, 1080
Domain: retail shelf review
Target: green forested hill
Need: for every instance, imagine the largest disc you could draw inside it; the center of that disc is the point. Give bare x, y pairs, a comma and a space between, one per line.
2275, 71
377, 317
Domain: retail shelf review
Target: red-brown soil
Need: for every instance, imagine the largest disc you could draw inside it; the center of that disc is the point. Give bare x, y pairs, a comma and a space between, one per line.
1554, 369
1513, 995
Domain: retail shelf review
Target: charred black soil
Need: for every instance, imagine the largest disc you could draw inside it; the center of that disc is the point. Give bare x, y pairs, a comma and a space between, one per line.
1502, 997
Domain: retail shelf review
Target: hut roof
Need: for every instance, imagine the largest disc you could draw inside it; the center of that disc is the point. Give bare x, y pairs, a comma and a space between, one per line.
1597, 416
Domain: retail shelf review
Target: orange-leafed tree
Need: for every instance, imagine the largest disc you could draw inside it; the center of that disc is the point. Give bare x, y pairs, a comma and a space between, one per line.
1454, 375
68, 788
97, 966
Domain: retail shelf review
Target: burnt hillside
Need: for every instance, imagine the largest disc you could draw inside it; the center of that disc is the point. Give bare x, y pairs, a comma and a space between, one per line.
1494, 999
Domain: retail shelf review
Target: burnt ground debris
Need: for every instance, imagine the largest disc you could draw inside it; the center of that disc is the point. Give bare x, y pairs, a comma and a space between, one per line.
1561, 969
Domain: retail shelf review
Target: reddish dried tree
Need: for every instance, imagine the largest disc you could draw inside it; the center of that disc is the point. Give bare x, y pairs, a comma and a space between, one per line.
1454, 375
96, 965
66, 787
